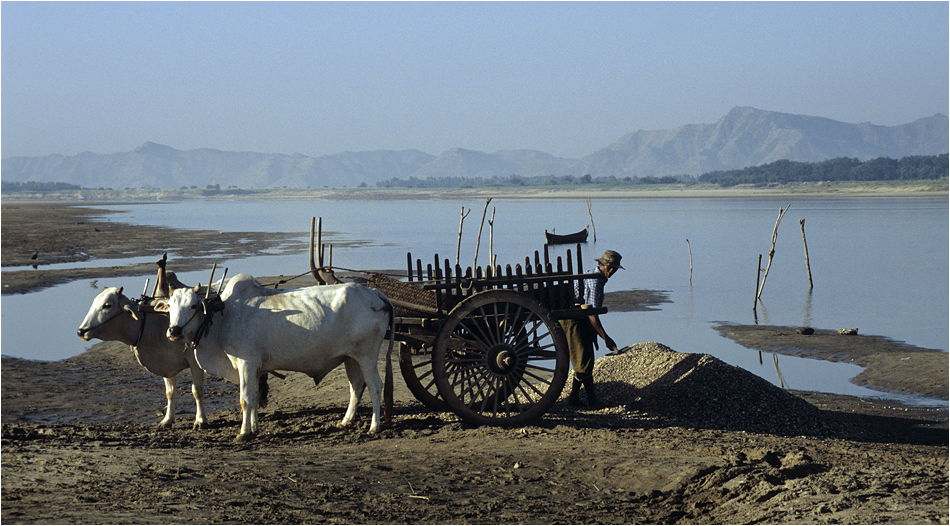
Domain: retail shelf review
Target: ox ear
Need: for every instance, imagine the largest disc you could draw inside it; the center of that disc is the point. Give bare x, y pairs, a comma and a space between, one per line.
130, 310
120, 289
161, 306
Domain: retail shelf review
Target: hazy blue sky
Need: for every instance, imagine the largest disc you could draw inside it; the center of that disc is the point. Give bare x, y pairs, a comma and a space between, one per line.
564, 78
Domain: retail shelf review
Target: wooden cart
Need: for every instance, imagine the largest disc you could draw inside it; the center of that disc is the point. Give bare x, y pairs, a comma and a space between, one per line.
487, 344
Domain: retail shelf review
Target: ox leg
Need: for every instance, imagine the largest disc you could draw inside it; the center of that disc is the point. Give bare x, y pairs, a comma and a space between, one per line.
375, 384
170, 406
197, 390
249, 378
357, 386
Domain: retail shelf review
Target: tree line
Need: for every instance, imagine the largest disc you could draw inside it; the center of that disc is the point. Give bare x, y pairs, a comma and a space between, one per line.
842, 169
915, 167
33, 186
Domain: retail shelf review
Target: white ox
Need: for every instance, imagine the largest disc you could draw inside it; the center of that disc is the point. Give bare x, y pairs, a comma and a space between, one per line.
310, 330
114, 317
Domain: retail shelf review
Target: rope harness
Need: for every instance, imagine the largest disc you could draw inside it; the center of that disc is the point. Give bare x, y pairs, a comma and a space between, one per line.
205, 325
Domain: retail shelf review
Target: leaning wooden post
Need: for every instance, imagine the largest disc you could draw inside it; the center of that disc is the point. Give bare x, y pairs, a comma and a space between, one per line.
768, 265
811, 285
691, 262
592, 227
458, 248
478, 241
758, 272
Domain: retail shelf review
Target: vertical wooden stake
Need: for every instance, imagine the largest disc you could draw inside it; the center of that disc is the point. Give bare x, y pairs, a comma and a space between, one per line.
491, 240
691, 261
210, 280
478, 241
811, 285
592, 227
458, 248
313, 265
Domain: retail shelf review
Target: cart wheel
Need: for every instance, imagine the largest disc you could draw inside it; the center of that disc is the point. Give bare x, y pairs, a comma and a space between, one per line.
416, 370
500, 359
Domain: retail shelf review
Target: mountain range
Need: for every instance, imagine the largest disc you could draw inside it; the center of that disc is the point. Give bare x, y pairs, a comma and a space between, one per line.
743, 137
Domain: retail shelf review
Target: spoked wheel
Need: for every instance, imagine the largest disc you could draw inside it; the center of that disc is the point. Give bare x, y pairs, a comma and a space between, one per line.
500, 359
417, 371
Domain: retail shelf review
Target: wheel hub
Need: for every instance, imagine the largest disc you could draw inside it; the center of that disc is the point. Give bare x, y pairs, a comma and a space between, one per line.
502, 359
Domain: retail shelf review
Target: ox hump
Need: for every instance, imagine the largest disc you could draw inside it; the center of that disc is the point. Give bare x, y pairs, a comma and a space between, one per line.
243, 285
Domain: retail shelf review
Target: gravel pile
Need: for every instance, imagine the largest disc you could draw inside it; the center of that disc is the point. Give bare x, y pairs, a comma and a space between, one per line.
700, 391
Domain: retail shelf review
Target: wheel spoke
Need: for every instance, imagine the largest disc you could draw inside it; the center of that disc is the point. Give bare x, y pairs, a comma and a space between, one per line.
480, 325
539, 379
476, 383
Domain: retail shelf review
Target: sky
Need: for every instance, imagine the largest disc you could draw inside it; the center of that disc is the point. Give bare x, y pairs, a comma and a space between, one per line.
566, 78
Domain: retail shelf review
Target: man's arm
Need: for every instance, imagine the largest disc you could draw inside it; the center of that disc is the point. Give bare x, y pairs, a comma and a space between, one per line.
599, 328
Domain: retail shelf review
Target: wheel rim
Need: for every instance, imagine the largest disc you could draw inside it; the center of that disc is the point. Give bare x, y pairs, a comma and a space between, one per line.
417, 371
500, 359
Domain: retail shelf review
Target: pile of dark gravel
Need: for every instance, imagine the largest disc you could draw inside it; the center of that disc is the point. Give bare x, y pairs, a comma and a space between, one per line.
700, 391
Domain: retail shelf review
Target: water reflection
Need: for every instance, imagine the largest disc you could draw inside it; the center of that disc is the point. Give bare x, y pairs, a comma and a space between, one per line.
806, 310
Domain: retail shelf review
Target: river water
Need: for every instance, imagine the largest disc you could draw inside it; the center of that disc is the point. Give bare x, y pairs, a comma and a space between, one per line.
878, 264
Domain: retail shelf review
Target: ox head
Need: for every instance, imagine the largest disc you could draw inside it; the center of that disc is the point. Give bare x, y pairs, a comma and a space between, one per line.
108, 306
186, 312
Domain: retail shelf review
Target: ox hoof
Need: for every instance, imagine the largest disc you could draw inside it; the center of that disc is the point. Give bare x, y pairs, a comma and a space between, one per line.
165, 424
244, 438
198, 426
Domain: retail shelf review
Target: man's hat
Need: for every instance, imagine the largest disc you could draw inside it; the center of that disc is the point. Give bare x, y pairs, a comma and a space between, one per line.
610, 259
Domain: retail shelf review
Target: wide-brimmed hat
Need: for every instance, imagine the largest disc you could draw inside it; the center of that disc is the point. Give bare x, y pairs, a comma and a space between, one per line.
610, 259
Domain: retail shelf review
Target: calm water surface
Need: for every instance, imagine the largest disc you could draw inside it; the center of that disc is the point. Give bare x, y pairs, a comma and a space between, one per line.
879, 264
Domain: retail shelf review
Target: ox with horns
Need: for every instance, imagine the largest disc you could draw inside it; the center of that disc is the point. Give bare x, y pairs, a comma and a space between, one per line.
114, 317
310, 330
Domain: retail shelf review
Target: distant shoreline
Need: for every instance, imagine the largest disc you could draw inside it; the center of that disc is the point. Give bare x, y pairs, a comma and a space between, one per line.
927, 188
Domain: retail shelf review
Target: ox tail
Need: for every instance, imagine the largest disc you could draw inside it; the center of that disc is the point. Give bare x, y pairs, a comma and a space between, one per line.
388, 382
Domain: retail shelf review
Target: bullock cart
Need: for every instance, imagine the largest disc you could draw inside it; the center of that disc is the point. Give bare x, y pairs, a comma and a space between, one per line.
486, 343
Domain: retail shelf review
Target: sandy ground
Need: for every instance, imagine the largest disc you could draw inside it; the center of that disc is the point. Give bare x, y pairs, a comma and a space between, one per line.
686, 439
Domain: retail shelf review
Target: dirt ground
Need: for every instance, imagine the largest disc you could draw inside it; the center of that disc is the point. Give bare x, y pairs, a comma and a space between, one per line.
686, 440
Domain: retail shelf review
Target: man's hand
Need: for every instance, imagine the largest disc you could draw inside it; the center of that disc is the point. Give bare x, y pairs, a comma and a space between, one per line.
610, 344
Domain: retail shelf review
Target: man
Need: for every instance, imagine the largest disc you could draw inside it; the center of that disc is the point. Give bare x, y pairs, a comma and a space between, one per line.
582, 333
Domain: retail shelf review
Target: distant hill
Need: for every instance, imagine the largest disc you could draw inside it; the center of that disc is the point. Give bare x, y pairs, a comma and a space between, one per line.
750, 137
744, 137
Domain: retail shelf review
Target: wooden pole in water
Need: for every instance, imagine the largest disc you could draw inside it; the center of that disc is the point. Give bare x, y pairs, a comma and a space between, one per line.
491, 241
592, 227
768, 265
478, 240
691, 262
811, 284
458, 248
758, 272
